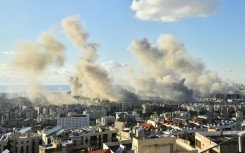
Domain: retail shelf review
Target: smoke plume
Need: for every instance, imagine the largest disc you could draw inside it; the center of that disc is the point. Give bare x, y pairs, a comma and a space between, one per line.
34, 59
91, 79
168, 71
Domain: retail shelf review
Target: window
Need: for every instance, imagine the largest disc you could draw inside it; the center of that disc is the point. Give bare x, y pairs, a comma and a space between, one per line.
33, 142
22, 149
105, 138
27, 149
198, 144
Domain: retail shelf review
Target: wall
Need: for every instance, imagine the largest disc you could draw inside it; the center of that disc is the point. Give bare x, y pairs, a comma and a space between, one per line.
205, 142
157, 145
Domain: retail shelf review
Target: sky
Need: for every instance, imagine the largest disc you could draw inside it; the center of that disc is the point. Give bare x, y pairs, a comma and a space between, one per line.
211, 30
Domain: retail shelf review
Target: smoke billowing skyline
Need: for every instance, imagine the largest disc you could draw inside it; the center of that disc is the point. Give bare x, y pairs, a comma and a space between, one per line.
167, 70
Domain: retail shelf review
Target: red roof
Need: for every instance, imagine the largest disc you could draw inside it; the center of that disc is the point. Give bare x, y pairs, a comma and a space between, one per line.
147, 125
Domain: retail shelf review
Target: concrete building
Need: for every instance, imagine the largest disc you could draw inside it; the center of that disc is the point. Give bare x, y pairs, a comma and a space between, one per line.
73, 121
160, 145
146, 108
105, 121
120, 115
124, 135
139, 132
38, 109
30, 114
47, 133
182, 114
119, 147
95, 114
22, 141
224, 126
220, 142
166, 115
93, 138
120, 125
136, 115
129, 119
55, 140
57, 147
239, 115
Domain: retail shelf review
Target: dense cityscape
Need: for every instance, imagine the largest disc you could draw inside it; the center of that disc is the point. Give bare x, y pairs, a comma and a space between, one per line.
212, 124
129, 76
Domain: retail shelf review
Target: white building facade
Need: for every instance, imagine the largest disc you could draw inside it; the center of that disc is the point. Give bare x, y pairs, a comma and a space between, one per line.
95, 114
74, 121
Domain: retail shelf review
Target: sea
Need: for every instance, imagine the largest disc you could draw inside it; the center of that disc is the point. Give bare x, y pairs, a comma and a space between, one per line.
17, 89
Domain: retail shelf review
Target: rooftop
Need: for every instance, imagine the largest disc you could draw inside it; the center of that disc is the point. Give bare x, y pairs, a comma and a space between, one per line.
101, 151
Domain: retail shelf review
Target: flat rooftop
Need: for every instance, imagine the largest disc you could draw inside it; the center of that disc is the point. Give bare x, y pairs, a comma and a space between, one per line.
220, 139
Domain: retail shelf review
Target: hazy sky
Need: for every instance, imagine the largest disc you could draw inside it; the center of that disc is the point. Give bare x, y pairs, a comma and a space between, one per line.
212, 31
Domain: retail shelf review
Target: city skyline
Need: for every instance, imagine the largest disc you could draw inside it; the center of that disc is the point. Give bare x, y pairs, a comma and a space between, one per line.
138, 76
208, 40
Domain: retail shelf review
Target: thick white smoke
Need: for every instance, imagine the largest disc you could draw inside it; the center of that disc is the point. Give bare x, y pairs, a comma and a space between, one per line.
34, 59
91, 79
170, 72
167, 70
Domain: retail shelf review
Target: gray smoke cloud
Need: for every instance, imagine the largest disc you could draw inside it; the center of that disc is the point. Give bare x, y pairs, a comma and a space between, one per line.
34, 59
168, 71
91, 79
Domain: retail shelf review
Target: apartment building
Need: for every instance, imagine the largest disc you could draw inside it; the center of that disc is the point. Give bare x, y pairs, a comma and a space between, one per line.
57, 147
159, 145
105, 121
73, 121
220, 141
22, 141
95, 114
56, 139
93, 138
